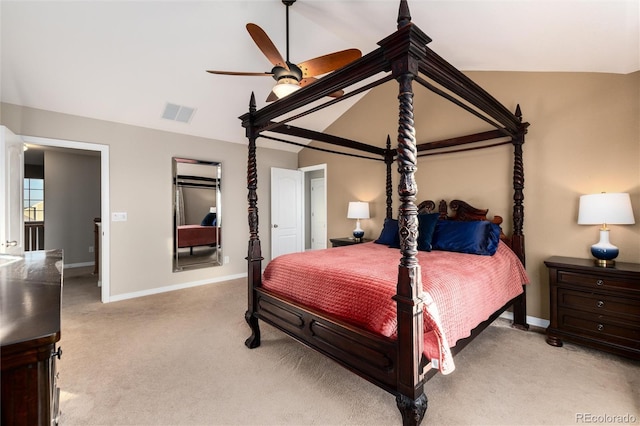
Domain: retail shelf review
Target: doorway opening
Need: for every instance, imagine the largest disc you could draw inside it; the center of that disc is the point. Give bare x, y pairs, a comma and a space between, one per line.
315, 207
103, 150
298, 209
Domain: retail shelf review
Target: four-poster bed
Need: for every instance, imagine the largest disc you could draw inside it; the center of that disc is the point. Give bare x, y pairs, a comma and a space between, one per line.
397, 362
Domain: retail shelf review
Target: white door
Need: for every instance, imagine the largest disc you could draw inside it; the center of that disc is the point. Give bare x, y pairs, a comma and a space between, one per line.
286, 211
318, 215
11, 187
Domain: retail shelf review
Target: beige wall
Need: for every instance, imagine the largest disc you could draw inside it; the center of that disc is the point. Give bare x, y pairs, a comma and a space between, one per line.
140, 184
584, 138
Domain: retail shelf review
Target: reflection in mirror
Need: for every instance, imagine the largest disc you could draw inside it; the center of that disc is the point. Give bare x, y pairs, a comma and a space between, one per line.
197, 214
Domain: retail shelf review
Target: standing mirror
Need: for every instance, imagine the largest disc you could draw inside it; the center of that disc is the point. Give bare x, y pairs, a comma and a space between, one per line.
196, 214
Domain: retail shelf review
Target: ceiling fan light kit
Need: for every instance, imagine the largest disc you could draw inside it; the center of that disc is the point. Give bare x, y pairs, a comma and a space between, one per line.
285, 87
291, 77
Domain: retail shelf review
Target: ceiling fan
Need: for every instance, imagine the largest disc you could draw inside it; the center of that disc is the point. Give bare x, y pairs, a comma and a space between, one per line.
291, 77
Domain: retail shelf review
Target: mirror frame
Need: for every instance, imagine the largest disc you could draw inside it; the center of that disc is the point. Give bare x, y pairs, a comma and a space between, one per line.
193, 180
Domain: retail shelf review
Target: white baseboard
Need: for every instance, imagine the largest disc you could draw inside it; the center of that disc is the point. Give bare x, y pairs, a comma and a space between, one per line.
538, 322
78, 265
174, 287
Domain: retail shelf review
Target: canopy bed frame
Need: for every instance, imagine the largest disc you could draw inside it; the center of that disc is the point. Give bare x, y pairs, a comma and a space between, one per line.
398, 365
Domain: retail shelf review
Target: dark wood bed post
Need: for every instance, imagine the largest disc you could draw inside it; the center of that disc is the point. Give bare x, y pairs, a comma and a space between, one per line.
517, 239
388, 160
254, 252
404, 49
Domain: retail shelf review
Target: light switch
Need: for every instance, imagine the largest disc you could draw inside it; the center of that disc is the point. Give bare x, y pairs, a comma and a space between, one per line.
119, 217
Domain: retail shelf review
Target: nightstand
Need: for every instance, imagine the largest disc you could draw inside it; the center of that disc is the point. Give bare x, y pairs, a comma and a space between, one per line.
595, 306
339, 242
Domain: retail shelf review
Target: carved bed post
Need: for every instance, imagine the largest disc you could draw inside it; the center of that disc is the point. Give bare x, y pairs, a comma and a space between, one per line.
518, 194
388, 160
404, 49
254, 253
517, 239
411, 401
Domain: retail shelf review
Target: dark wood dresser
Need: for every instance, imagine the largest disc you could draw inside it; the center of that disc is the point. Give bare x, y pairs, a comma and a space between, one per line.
595, 306
30, 297
348, 241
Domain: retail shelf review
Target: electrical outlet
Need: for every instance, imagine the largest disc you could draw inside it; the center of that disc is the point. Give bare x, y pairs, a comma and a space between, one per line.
226, 260
90, 249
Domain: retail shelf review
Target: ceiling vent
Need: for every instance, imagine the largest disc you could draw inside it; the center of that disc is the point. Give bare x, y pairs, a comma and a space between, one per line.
178, 113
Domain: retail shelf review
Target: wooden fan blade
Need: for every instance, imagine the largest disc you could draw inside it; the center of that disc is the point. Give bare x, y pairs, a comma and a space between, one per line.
309, 80
268, 74
265, 45
327, 63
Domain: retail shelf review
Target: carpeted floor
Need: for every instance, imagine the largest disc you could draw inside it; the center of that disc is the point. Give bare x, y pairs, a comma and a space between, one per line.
179, 359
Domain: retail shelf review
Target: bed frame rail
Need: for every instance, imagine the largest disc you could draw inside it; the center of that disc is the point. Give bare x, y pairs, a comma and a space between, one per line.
371, 356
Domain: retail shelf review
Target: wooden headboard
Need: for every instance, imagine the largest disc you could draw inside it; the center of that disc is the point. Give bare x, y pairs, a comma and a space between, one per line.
461, 211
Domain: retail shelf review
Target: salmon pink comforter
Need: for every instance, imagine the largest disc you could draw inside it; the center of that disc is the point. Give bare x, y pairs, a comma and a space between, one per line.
356, 284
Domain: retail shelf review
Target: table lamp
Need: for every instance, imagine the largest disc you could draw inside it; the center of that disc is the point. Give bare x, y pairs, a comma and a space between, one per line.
605, 209
358, 210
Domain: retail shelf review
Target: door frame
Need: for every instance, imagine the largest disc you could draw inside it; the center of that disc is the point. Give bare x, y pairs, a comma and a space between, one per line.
105, 252
317, 183
305, 213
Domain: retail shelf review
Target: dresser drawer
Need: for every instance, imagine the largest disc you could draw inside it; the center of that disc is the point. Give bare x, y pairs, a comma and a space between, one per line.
625, 308
599, 281
600, 326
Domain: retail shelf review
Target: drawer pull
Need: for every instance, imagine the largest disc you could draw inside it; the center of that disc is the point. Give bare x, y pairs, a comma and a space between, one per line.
600, 283
57, 353
600, 304
600, 327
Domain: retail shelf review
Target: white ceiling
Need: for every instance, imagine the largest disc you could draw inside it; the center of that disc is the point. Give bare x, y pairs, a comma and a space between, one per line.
122, 61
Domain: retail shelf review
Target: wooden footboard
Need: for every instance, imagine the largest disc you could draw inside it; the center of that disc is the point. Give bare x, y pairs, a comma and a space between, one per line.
196, 235
370, 356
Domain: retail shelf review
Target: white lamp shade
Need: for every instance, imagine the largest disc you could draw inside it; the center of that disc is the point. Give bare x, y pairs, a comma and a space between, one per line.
606, 208
358, 210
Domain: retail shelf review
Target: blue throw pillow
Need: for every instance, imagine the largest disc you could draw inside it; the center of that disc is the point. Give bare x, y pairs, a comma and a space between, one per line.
494, 238
426, 224
389, 235
475, 237
426, 227
209, 220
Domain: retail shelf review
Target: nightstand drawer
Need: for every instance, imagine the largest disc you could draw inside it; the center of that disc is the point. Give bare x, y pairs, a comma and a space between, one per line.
595, 303
594, 306
598, 281
600, 326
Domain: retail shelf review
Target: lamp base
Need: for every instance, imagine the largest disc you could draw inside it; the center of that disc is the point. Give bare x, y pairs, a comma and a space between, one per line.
604, 252
358, 233
604, 263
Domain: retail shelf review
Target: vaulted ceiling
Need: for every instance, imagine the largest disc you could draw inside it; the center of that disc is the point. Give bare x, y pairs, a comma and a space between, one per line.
123, 61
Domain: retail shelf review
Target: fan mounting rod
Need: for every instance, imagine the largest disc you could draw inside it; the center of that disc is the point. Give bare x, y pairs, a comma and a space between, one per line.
288, 3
